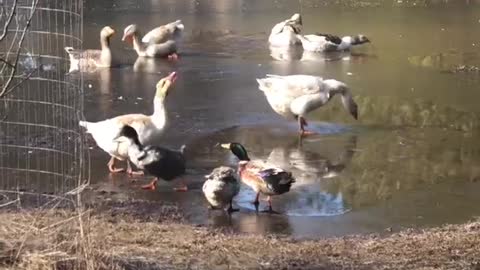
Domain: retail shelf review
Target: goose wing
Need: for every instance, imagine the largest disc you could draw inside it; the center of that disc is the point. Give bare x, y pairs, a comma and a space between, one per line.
331, 38
291, 85
83, 54
164, 33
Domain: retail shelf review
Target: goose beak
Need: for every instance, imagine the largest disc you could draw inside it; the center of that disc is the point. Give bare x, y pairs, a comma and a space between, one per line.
172, 77
127, 38
225, 145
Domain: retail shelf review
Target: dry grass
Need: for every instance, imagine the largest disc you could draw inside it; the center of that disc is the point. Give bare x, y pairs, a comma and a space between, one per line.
120, 237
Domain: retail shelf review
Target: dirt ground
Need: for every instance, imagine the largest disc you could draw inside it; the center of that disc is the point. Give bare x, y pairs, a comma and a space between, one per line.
146, 235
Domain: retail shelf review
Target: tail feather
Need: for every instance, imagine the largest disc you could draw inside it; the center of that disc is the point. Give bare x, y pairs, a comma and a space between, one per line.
84, 124
262, 84
274, 76
182, 149
180, 26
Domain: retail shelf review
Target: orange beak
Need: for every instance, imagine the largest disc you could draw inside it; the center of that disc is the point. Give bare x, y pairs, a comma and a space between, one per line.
172, 77
127, 38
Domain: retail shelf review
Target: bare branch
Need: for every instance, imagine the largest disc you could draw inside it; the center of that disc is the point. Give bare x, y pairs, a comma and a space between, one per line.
6, 62
5, 88
17, 84
9, 20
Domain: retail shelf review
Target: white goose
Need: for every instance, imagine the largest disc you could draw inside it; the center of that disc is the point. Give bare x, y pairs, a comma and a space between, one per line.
159, 42
294, 96
286, 33
148, 127
169, 31
327, 42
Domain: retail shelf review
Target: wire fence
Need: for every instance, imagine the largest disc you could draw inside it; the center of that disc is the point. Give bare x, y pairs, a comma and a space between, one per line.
42, 151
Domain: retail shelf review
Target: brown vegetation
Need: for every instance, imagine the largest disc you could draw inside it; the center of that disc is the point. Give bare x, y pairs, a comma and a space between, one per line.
144, 235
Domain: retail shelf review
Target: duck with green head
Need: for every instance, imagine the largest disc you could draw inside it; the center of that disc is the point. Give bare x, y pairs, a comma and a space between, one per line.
262, 177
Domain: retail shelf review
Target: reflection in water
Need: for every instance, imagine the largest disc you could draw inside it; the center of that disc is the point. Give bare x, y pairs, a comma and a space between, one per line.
151, 65
308, 196
310, 163
286, 53
416, 148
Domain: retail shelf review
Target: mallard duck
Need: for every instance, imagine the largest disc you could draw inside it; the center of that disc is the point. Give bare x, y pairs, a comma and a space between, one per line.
89, 59
147, 126
326, 42
158, 161
286, 33
294, 96
262, 177
220, 187
160, 42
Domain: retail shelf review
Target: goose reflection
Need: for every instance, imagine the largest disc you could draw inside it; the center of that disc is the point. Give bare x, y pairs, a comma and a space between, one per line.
298, 54
286, 53
324, 57
151, 65
311, 166
316, 165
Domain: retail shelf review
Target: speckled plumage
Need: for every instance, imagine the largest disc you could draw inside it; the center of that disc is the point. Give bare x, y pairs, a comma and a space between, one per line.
221, 186
328, 42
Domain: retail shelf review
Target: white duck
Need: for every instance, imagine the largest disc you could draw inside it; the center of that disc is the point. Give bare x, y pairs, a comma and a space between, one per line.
294, 96
159, 42
328, 43
91, 59
220, 187
286, 33
148, 127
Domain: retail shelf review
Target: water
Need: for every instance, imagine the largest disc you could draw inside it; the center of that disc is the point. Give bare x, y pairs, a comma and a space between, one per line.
411, 160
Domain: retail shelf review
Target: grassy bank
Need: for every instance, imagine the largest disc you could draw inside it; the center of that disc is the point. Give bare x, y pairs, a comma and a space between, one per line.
141, 235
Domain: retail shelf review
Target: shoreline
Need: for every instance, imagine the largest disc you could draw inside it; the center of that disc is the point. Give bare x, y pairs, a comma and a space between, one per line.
145, 235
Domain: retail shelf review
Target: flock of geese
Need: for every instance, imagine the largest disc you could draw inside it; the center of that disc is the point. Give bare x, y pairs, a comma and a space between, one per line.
128, 137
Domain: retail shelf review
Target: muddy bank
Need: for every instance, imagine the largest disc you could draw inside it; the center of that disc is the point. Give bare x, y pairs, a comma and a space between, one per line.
146, 235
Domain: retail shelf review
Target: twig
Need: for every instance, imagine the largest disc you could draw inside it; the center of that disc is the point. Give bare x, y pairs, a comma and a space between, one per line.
17, 84
64, 221
9, 20
6, 62
8, 203
17, 55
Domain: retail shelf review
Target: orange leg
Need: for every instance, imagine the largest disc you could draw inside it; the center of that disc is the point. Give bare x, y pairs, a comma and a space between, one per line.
270, 209
152, 185
256, 203
131, 172
111, 166
256, 198
173, 57
231, 209
302, 124
182, 188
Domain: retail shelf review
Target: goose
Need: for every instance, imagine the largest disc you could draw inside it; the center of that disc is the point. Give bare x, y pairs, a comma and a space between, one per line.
147, 126
220, 188
158, 161
165, 32
328, 43
294, 96
91, 59
285, 34
160, 42
261, 176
